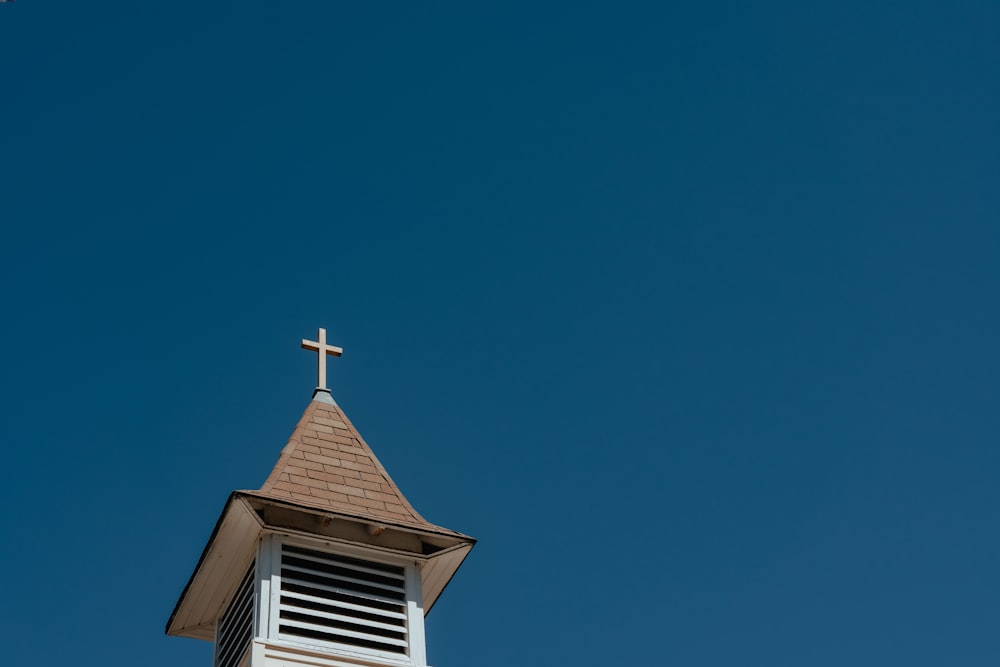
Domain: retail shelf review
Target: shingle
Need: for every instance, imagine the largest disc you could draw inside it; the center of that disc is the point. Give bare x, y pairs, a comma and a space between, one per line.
327, 464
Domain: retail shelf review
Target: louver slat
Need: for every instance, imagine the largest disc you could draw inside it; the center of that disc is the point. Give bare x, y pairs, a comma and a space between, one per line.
236, 626
323, 602
391, 630
344, 633
378, 569
293, 567
342, 600
347, 587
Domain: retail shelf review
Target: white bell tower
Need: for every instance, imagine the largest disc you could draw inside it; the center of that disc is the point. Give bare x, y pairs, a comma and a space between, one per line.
326, 565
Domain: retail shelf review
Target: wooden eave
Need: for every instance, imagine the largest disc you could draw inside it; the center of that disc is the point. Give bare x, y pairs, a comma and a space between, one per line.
223, 561
248, 515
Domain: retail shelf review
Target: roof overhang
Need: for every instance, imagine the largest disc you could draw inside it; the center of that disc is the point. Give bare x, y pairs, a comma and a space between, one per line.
249, 515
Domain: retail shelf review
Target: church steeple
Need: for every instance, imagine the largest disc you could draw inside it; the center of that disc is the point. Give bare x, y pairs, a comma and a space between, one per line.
326, 564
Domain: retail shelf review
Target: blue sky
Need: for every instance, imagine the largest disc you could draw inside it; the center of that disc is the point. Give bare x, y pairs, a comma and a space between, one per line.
687, 311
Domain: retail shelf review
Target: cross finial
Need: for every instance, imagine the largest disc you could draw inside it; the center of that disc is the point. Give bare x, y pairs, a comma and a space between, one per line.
323, 349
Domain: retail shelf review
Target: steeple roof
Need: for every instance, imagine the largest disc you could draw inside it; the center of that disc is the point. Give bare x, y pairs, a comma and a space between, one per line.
327, 465
327, 483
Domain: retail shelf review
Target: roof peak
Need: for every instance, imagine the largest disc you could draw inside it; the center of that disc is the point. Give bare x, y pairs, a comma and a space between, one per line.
323, 395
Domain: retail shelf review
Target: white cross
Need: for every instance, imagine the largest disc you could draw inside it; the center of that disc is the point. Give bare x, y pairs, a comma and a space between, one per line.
323, 350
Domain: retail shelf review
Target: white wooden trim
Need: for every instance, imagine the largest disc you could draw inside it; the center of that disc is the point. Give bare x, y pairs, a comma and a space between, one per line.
257, 653
281, 653
415, 612
256, 593
263, 586
274, 599
335, 547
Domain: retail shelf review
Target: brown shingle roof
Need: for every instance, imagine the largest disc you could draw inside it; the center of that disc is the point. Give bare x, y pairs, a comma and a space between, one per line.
328, 465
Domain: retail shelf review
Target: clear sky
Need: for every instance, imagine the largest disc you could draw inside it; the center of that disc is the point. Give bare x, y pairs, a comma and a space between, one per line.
687, 311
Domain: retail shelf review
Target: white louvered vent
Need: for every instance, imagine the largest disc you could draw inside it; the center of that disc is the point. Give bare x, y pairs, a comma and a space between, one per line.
236, 625
329, 598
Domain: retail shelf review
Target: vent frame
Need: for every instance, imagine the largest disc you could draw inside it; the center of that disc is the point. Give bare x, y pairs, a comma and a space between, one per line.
388, 636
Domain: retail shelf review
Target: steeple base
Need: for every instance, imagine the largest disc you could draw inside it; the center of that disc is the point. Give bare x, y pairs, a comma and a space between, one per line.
270, 654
